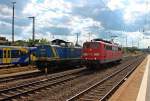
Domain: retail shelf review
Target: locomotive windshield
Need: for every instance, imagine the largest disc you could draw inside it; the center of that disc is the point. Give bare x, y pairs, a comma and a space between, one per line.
91, 45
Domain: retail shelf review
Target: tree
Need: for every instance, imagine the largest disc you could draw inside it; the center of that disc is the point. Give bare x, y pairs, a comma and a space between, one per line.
44, 41
30, 42
20, 43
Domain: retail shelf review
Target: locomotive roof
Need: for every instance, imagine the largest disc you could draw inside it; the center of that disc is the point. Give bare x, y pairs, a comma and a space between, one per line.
105, 41
102, 40
4, 46
59, 41
60, 46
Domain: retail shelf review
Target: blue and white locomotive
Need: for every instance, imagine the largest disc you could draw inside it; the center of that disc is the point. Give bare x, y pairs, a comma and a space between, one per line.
59, 53
17, 55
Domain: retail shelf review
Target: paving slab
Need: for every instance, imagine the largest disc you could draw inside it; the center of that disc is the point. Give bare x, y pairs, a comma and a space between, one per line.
129, 90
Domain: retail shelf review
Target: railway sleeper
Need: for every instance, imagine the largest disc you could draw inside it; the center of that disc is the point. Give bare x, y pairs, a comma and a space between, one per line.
92, 98
87, 99
94, 94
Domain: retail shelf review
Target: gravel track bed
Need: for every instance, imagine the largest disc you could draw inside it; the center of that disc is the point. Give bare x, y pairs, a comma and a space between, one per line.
27, 80
105, 87
6, 85
16, 69
66, 90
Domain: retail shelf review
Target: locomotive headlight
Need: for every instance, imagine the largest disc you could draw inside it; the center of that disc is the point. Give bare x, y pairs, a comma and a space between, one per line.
85, 54
96, 54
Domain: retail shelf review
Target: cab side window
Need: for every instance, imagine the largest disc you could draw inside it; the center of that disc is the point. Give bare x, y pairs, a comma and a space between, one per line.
4, 53
15, 53
107, 47
1, 54
119, 48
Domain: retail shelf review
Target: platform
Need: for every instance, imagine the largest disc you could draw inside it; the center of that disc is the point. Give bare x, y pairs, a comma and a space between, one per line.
137, 86
144, 92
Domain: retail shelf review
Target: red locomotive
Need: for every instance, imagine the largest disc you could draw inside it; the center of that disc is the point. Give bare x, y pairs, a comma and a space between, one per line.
100, 51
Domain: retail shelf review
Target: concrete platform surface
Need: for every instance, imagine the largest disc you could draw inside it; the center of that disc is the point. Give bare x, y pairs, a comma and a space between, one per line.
133, 88
144, 92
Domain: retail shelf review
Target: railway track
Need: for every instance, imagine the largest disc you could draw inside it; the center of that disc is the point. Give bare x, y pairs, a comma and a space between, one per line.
29, 75
20, 77
6, 66
30, 87
101, 90
17, 91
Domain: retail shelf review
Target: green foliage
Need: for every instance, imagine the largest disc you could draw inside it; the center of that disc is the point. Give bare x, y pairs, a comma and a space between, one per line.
30, 42
20, 43
130, 49
43, 41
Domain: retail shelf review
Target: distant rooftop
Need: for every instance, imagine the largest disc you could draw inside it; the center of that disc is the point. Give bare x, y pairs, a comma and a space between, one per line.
3, 41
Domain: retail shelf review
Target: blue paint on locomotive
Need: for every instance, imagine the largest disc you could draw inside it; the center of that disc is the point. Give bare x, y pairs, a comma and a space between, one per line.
69, 53
44, 51
53, 51
60, 52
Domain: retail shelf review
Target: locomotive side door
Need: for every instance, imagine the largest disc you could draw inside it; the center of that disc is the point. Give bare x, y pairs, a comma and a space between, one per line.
104, 52
1, 56
6, 55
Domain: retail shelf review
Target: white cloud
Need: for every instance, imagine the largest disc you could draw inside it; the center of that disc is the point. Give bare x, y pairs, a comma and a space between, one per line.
46, 11
78, 23
5, 11
135, 38
115, 4
132, 9
66, 14
82, 25
33, 8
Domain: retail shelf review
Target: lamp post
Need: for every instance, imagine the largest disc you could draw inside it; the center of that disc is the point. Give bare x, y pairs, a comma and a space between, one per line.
33, 28
13, 3
77, 39
90, 34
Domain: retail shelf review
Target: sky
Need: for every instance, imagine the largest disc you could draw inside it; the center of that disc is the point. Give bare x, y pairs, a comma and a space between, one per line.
125, 19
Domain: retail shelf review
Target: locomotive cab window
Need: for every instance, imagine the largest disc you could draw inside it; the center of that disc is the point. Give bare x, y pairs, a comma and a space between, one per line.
91, 45
107, 47
115, 48
119, 48
22, 53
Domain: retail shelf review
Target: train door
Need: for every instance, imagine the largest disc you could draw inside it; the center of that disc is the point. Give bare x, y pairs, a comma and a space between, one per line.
1, 56
104, 52
6, 55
